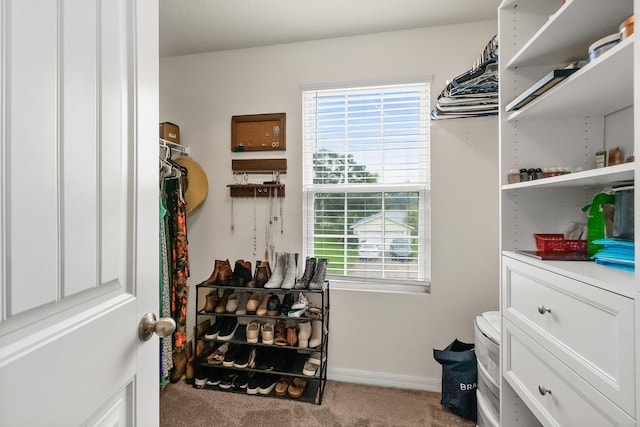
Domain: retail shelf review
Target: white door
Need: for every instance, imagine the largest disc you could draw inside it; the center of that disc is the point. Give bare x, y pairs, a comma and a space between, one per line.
79, 212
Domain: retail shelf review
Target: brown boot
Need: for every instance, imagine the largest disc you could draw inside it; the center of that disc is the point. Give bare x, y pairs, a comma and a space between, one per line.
179, 366
189, 373
214, 275
281, 333
263, 273
292, 336
252, 282
202, 349
202, 327
212, 301
225, 273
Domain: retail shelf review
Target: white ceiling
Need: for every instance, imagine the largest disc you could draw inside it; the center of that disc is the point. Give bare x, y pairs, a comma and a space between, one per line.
197, 26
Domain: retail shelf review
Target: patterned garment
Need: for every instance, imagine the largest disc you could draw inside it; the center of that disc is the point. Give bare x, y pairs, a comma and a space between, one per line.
179, 260
166, 359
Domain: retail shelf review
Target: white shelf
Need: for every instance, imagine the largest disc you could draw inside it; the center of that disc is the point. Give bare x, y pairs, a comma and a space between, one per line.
601, 87
590, 178
554, 44
172, 146
610, 279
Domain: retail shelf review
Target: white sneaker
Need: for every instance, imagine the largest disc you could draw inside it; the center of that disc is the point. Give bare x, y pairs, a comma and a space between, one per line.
253, 332
316, 358
310, 369
302, 302
297, 313
266, 330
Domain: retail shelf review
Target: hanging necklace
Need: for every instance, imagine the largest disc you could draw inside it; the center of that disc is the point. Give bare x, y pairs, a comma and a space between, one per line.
281, 215
255, 219
233, 227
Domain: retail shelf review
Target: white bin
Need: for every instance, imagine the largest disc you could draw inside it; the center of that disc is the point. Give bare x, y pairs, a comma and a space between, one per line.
487, 347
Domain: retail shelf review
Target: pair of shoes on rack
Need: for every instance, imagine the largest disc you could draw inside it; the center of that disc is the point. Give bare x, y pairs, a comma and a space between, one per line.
265, 330
236, 302
285, 273
210, 377
221, 274
223, 330
294, 387
261, 383
240, 356
285, 336
314, 275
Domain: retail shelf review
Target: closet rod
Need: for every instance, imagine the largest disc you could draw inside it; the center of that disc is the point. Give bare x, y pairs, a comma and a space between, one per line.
174, 147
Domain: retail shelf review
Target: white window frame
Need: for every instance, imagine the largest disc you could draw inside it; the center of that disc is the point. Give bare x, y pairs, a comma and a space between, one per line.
310, 189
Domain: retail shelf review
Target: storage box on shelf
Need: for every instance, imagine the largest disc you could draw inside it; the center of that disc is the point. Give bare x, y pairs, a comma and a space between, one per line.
267, 360
570, 329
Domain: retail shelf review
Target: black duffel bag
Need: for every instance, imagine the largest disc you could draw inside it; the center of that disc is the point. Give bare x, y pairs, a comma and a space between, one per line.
459, 378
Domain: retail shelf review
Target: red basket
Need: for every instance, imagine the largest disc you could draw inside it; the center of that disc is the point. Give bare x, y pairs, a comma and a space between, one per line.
557, 243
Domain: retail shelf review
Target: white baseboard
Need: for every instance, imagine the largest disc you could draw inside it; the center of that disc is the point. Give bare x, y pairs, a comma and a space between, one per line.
384, 379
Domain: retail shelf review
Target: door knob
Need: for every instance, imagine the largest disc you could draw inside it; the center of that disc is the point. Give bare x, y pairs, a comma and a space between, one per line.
148, 325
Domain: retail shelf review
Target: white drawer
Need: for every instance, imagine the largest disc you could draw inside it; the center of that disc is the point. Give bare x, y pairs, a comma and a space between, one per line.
587, 328
486, 417
490, 393
571, 401
488, 354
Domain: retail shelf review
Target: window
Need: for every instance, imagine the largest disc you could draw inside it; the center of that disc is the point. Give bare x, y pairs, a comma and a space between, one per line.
366, 184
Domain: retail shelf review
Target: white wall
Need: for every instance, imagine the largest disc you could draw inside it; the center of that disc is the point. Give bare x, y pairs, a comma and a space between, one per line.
377, 338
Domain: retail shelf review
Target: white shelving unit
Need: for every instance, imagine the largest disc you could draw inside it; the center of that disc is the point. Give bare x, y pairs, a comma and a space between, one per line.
570, 329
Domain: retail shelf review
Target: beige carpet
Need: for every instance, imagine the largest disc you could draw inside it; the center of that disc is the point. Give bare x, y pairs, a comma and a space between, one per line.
344, 404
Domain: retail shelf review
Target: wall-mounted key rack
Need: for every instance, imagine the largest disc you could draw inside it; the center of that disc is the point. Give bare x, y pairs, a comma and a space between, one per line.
245, 167
257, 190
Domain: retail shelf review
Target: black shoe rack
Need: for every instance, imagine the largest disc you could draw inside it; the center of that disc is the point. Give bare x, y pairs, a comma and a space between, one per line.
288, 360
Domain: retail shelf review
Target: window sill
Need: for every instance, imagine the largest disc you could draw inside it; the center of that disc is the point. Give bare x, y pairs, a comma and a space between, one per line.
382, 286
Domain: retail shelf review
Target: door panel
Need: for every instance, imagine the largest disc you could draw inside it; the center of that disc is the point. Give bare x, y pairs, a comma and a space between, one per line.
80, 145
31, 75
78, 231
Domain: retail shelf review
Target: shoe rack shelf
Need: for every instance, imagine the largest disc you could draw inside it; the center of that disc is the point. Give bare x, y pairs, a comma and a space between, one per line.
287, 362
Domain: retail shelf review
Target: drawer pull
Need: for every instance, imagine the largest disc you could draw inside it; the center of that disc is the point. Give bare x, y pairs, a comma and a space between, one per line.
543, 390
542, 309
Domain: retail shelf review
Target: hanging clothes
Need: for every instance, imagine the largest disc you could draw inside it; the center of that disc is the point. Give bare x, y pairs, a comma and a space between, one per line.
179, 259
166, 348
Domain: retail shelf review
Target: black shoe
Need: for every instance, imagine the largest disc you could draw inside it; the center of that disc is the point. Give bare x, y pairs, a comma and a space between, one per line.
214, 376
200, 379
287, 302
226, 382
267, 384
242, 356
284, 361
241, 381
213, 330
230, 357
273, 305
265, 359
228, 328
254, 384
